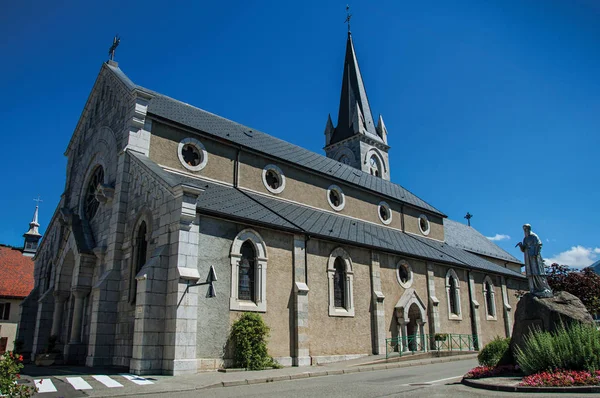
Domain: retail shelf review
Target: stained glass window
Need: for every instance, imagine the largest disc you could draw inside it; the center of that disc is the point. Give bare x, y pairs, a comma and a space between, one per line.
246, 272
339, 283
490, 299
452, 296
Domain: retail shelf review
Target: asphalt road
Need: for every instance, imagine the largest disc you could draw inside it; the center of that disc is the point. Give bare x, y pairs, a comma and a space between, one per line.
436, 380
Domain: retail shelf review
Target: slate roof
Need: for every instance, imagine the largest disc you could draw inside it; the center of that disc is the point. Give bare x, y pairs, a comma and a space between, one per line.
16, 273
468, 238
256, 209
211, 124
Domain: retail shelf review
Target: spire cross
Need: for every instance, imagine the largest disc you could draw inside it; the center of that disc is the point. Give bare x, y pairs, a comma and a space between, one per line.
111, 50
468, 217
348, 17
38, 200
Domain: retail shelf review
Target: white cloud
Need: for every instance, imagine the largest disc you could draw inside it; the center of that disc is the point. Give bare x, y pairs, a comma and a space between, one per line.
576, 256
498, 237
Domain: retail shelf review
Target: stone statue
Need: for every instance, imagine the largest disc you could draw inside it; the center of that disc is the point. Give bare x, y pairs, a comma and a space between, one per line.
534, 265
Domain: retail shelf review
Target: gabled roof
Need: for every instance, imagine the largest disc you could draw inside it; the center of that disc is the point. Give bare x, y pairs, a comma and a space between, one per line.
256, 209
355, 111
16, 273
187, 115
468, 238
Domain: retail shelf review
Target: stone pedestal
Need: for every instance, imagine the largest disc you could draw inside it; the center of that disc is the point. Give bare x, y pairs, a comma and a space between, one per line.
546, 314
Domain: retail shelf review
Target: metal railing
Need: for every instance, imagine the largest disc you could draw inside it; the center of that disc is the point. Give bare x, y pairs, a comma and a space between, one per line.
397, 346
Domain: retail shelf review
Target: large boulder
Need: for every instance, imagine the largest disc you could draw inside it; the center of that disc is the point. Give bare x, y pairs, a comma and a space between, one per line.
546, 314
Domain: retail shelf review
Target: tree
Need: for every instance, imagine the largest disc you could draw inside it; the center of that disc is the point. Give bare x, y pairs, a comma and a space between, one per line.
584, 284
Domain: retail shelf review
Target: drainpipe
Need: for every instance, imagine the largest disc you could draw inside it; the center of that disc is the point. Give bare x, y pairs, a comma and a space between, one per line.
402, 217
236, 168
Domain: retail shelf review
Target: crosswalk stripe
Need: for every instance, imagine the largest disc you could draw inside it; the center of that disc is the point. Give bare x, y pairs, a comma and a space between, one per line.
78, 383
137, 379
44, 385
107, 381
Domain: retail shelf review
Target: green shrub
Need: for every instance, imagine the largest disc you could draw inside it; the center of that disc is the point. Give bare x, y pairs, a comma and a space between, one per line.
491, 354
575, 347
249, 336
440, 337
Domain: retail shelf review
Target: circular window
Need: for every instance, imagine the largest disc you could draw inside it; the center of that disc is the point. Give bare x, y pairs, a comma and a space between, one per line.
336, 198
273, 178
404, 274
91, 203
424, 224
385, 213
192, 154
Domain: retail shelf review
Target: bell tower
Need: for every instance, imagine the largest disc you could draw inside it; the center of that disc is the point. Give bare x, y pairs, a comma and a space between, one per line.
357, 140
32, 237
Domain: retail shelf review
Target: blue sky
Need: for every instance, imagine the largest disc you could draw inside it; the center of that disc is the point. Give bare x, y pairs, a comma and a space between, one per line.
491, 107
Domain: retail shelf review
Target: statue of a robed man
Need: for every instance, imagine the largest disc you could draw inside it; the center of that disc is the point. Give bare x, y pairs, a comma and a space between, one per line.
534, 265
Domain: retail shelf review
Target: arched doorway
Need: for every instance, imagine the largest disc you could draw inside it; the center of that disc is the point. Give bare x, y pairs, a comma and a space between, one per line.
411, 316
413, 328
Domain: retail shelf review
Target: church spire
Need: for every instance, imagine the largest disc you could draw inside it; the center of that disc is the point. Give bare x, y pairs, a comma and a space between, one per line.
355, 112
32, 236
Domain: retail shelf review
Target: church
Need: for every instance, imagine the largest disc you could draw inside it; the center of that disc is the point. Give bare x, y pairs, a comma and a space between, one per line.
335, 257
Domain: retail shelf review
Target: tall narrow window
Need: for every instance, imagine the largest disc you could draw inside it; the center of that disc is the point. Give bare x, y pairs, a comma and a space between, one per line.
246, 272
248, 258
140, 253
489, 296
91, 203
489, 299
340, 279
452, 297
142, 247
339, 283
374, 167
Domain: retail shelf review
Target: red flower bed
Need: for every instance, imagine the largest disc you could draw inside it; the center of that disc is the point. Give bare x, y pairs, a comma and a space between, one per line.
562, 378
481, 372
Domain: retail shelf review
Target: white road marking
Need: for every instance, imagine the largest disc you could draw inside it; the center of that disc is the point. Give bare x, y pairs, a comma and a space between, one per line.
426, 383
78, 383
137, 379
107, 381
44, 385
447, 378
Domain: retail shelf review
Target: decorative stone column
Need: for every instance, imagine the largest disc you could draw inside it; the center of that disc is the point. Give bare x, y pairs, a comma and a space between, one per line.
434, 311
79, 294
378, 312
59, 305
301, 354
474, 312
404, 333
507, 309
425, 343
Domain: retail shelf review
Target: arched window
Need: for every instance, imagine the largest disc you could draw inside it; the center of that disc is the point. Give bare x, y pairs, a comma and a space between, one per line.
340, 275
91, 203
140, 250
453, 295
490, 300
339, 283
374, 166
248, 272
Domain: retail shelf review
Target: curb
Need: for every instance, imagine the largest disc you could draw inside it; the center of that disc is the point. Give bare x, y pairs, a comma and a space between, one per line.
499, 387
321, 373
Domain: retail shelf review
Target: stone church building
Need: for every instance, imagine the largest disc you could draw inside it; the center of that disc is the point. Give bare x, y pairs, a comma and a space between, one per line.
333, 255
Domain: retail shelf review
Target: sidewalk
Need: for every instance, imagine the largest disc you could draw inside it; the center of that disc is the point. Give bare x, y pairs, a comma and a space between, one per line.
204, 380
